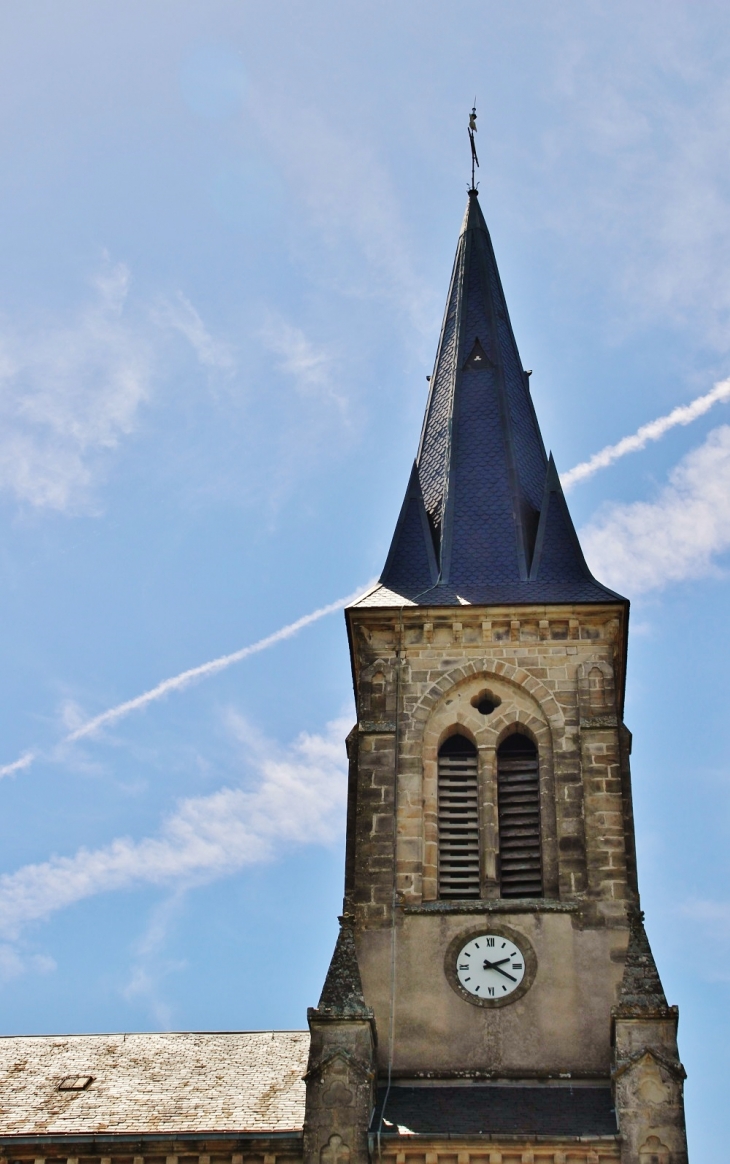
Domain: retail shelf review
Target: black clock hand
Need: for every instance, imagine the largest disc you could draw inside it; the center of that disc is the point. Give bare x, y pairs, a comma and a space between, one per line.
491, 965
494, 966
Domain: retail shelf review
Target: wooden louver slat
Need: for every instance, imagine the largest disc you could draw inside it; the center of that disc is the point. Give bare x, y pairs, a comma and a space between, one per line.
458, 819
518, 789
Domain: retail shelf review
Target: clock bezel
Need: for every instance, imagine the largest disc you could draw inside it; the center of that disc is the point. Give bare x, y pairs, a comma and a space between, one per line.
456, 945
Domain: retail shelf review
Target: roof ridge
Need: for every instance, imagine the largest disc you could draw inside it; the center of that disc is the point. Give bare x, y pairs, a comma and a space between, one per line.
154, 1034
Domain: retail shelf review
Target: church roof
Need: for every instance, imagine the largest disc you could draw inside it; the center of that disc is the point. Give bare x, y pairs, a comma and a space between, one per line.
484, 519
144, 1083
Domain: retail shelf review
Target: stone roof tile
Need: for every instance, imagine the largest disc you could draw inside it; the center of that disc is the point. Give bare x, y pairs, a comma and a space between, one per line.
145, 1083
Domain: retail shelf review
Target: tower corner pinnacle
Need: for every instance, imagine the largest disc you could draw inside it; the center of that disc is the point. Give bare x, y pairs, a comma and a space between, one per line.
342, 994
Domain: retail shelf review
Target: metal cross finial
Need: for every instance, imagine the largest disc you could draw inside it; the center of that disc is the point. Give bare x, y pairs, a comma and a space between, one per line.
471, 131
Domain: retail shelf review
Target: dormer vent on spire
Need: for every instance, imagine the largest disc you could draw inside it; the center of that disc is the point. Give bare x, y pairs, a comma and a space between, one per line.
484, 518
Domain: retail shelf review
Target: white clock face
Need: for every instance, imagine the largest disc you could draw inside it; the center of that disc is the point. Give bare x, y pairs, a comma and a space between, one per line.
490, 966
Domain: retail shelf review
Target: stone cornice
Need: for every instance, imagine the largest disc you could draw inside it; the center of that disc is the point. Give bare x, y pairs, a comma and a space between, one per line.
502, 905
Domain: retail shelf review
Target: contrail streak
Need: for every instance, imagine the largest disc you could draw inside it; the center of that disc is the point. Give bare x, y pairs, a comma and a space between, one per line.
178, 682
652, 431
25, 761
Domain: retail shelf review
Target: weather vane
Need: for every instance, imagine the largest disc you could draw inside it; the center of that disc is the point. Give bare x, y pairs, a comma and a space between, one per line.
472, 130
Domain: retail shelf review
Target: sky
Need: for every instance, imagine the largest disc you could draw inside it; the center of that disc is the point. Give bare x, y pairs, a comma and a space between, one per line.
227, 230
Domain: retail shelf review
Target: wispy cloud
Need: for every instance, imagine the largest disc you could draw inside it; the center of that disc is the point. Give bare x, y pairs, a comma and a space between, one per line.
318, 403
184, 679
13, 962
712, 917
656, 185
151, 963
299, 799
310, 366
67, 394
356, 203
71, 391
646, 545
180, 315
653, 431
713, 914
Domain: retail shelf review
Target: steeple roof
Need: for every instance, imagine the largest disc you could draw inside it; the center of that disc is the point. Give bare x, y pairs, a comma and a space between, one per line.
484, 518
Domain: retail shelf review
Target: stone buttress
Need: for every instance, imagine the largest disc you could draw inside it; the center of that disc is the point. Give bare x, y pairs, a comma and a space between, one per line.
648, 1076
341, 1071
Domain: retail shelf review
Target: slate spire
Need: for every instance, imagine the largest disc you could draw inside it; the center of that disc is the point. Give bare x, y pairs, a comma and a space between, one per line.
484, 519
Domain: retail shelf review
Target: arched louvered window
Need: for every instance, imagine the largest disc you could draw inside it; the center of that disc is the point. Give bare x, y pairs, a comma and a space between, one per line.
518, 790
458, 819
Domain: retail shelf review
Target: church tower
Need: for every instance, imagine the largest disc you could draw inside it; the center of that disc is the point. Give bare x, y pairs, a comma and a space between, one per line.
493, 996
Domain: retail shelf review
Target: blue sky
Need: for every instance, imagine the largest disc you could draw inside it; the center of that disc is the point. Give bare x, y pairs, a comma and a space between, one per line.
227, 232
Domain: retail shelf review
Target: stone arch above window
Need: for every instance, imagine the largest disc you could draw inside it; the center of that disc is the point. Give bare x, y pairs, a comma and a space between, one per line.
456, 713
497, 671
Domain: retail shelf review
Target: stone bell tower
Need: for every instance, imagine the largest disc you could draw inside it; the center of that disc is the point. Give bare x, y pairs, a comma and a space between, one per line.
493, 993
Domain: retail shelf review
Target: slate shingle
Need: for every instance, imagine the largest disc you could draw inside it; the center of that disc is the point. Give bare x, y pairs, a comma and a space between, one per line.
482, 472
498, 1109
